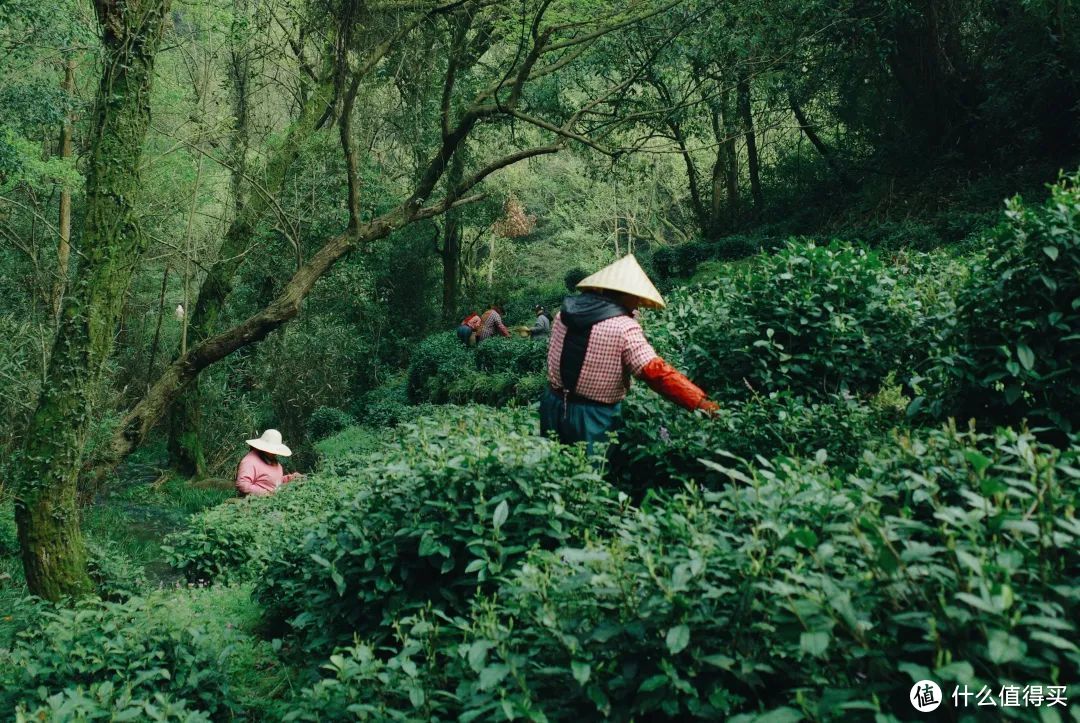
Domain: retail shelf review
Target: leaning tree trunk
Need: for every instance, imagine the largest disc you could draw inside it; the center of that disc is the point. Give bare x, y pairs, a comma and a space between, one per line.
819, 145
53, 552
186, 453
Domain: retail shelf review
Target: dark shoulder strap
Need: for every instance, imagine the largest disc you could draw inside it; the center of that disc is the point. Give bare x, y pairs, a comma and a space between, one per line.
575, 345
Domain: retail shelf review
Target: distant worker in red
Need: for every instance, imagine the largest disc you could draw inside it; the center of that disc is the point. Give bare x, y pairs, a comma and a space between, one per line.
597, 347
468, 328
491, 323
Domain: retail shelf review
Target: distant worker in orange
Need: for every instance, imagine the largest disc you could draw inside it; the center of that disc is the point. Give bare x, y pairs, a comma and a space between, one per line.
597, 347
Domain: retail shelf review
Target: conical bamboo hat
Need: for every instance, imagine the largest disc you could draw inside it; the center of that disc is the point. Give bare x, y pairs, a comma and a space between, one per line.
626, 276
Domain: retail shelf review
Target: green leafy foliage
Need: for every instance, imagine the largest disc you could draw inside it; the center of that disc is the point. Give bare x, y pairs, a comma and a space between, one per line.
661, 445
497, 371
447, 511
76, 663
514, 355
116, 575
1017, 341
436, 359
794, 590
387, 405
231, 541
326, 421
682, 260
104, 701
811, 320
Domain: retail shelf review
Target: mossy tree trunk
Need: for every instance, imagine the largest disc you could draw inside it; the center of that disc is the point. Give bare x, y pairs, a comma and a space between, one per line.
451, 250
53, 552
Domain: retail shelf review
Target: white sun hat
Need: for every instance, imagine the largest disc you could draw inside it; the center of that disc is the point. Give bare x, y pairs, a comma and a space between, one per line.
270, 442
625, 276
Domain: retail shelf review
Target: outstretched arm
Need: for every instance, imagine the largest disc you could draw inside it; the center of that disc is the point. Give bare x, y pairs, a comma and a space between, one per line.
671, 384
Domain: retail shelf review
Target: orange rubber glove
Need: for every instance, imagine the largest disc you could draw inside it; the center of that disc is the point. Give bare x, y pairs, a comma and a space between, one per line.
669, 383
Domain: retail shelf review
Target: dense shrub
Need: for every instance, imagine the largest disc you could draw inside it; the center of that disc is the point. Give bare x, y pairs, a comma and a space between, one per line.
326, 421
114, 573
682, 260
512, 355
385, 405
452, 508
9, 535
1018, 329
661, 444
496, 372
435, 360
231, 541
104, 701
98, 658
897, 235
812, 320
950, 556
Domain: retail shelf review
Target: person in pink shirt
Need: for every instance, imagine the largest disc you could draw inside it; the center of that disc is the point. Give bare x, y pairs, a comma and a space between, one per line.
259, 472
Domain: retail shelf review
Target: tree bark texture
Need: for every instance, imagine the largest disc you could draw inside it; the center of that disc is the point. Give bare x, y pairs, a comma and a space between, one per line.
63, 248
819, 145
53, 551
746, 113
451, 250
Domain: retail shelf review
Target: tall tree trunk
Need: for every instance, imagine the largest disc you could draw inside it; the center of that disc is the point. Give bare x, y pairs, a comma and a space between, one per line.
731, 158
53, 552
700, 214
725, 172
746, 112
63, 248
451, 250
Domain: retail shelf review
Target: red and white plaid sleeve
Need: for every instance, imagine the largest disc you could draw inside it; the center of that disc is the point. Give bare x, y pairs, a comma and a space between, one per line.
637, 351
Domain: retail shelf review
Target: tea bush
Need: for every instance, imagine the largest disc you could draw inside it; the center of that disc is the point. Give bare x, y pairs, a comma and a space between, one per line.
448, 511
811, 320
230, 542
436, 360
512, 355
661, 445
114, 573
951, 556
385, 405
498, 371
104, 701
682, 260
326, 421
1017, 346
76, 663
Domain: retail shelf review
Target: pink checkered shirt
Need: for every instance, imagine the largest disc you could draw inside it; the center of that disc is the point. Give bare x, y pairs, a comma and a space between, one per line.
617, 351
490, 323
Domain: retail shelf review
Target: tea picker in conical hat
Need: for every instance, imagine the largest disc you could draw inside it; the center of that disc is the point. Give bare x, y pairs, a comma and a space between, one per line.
597, 347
